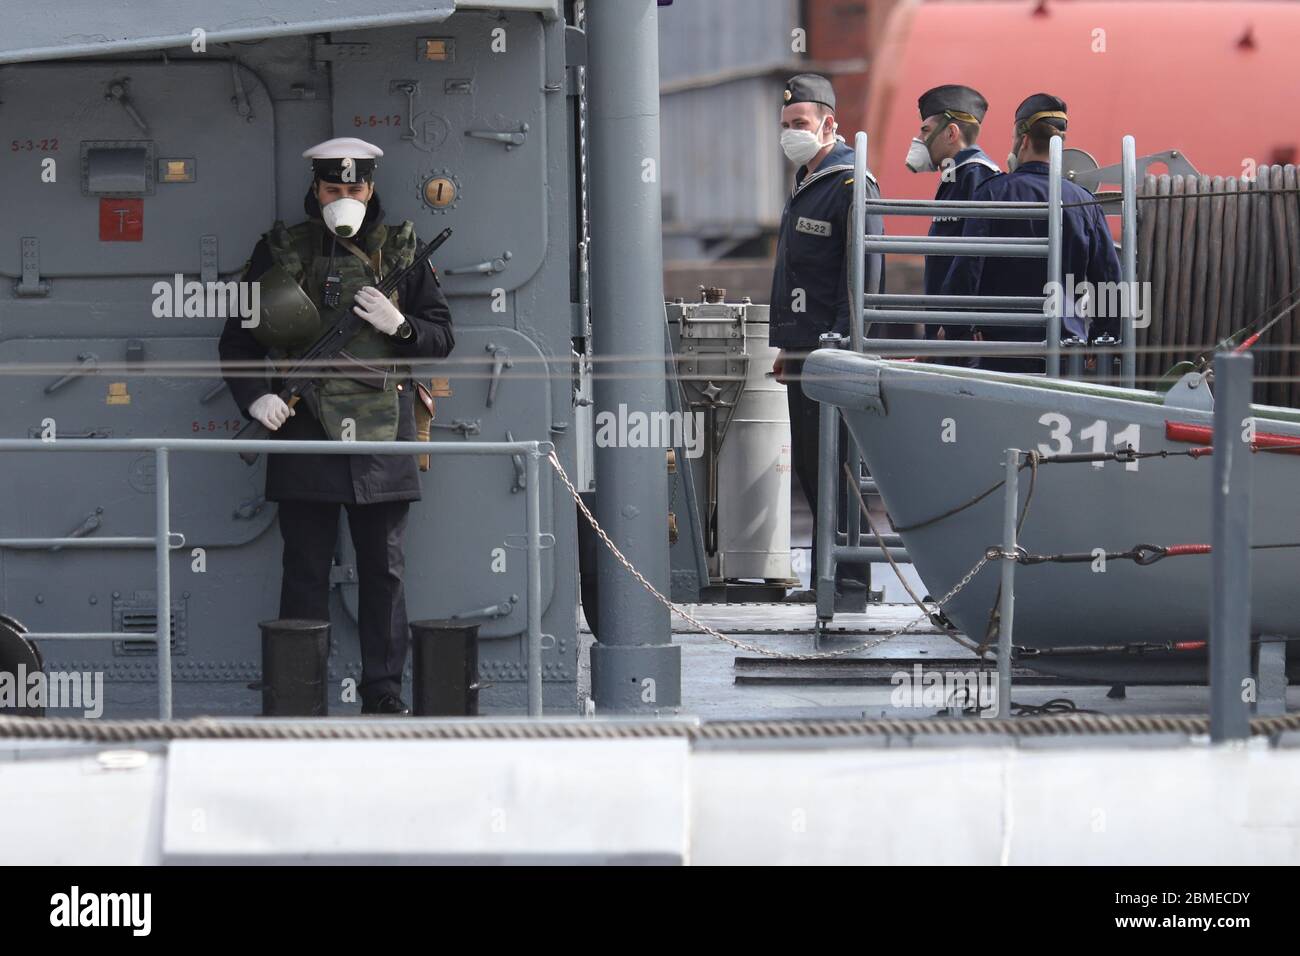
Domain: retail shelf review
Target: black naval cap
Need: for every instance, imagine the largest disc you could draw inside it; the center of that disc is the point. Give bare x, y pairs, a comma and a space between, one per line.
1041, 108
809, 88
958, 102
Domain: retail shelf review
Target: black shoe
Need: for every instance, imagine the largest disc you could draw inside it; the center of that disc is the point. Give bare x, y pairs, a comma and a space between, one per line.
385, 704
806, 596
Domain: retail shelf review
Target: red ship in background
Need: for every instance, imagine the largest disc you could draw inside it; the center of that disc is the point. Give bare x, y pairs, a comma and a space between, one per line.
1214, 80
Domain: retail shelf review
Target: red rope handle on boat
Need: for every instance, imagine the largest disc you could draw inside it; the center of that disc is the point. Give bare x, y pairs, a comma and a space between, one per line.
1174, 550
1148, 554
1251, 340
1204, 435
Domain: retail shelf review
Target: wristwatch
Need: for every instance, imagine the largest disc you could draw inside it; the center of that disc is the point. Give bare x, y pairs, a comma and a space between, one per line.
404, 331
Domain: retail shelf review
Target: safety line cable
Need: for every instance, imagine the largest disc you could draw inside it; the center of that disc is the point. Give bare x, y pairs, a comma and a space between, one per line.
691, 619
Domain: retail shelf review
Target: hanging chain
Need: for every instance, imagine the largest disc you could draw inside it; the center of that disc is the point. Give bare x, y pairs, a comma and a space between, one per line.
712, 632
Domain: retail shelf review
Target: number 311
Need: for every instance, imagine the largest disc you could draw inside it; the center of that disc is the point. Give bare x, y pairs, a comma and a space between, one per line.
1096, 433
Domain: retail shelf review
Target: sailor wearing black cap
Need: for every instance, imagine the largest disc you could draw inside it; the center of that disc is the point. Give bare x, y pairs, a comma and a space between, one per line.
810, 279
1087, 250
950, 124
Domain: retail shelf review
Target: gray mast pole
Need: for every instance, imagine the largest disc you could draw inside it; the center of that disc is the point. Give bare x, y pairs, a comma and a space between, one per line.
634, 666
1007, 607
1055, 225
1230, 557
1128, 266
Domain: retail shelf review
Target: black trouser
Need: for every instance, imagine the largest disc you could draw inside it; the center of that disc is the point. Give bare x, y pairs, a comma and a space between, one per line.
310, 530
1011, 363
805, 418
952, 333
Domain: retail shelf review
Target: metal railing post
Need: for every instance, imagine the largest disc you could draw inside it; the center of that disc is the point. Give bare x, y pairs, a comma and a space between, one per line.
161, 540
162, 553
934, 309
858, 243
852, 513
1074, 357
1054, 225
1128, 264
828, 457
534, 584
1007, 601
1230, 549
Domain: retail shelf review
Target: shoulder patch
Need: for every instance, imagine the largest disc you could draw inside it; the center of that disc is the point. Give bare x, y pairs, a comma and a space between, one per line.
812, 227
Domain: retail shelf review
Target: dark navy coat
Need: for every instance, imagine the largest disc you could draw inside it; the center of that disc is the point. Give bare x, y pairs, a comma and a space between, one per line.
812, 254
971, 169
1087, 254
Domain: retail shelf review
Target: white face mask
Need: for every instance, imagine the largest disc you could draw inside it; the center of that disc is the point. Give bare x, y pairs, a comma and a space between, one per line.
344, 216
800, 145
918, 157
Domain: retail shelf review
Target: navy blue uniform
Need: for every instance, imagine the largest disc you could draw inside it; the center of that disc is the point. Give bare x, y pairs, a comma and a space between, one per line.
971, 169
811, 265
811, 255
1087, 254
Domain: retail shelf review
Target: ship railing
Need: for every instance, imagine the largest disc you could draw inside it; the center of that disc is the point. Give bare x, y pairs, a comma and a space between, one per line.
164, 540
1021, 311
1030, 311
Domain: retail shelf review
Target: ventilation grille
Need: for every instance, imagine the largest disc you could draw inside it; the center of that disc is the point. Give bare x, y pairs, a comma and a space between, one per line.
137, 614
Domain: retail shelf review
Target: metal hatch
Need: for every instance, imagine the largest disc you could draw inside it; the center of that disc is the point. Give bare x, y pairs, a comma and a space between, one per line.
105, 151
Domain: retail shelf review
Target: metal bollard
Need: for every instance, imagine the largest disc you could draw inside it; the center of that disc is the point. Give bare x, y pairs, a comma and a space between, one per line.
444, 668
294, 668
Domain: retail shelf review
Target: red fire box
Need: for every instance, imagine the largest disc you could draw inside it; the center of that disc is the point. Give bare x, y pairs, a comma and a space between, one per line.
121, 220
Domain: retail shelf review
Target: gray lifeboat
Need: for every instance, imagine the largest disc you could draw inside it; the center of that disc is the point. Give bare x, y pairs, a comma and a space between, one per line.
934, 439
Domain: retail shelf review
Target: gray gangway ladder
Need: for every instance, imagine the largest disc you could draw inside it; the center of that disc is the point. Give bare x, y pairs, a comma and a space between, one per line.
1028, 311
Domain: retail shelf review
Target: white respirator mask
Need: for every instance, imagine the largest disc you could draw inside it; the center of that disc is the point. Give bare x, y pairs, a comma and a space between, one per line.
1012, 161
344, 216
918, 157
800, 145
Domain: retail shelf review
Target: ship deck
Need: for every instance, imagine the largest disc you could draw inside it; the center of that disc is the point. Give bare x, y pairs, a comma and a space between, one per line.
722, 682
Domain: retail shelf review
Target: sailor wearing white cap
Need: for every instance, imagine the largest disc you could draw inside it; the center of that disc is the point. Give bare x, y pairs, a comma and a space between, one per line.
336, 257
346, 165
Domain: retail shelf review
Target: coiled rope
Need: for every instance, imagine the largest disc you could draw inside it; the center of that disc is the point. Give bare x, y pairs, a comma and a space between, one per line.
1215, 250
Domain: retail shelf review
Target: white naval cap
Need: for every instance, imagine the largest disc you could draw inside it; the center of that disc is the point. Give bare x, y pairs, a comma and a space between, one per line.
344, 159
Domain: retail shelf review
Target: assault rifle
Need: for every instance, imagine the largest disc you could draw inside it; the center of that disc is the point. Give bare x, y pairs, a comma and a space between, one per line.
300, 378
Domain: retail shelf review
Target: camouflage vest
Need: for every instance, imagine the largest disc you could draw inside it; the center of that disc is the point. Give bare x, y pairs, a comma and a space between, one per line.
348, 409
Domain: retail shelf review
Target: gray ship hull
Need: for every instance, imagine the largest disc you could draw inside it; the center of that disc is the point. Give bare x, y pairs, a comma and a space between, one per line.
934, 438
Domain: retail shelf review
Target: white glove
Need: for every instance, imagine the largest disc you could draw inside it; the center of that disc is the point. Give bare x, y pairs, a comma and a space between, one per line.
270, 410
378, 310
